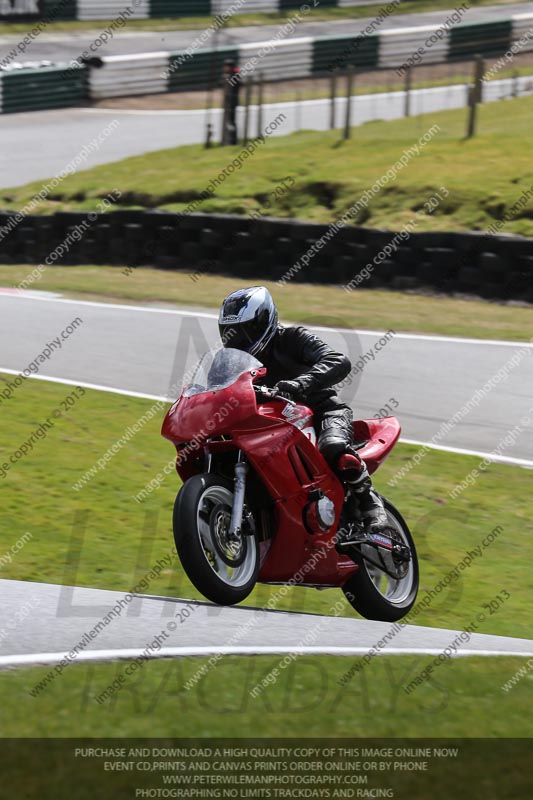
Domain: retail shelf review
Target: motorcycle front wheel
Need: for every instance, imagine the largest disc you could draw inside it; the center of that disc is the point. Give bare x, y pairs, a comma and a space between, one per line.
371, 591
223, 568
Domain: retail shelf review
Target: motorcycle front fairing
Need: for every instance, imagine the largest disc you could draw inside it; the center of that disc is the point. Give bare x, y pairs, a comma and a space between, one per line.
211, 413
219, 395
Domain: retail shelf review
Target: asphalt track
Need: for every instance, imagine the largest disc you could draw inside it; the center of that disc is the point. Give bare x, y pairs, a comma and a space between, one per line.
147, 349
59, 47
144, 351
65, 614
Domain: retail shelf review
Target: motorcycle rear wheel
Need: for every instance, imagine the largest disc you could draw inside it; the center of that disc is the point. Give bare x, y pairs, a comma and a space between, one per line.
373, 593
223, 570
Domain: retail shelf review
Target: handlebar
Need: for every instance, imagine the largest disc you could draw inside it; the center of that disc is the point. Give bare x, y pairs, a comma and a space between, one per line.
271, 394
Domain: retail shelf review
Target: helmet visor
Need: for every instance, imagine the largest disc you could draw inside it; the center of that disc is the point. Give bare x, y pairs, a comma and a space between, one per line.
244, 335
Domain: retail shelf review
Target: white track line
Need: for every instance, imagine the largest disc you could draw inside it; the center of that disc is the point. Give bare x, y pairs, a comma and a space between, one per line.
96, 386
119, 306
207, 315
519, 462
45, 659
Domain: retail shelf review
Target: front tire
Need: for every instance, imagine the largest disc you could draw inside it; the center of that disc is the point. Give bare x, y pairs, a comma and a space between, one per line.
373, 593
223, 570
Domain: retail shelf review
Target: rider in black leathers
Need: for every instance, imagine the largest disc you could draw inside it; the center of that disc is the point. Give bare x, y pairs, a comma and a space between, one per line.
302, 367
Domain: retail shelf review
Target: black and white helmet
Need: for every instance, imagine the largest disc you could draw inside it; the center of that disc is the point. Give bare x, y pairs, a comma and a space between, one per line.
248, 320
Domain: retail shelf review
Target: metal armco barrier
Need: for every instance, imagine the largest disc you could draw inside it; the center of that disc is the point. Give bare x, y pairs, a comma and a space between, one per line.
197, 71
309, 56
20, 9
153, 9
488, 265
47, 87
108, 9
123, 75
488, 39
151, 73
60, 9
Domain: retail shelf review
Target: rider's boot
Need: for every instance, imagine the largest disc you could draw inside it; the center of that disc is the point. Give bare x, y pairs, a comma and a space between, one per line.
362, 502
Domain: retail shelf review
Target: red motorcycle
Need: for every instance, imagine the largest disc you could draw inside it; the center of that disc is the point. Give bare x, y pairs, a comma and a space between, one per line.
260, 503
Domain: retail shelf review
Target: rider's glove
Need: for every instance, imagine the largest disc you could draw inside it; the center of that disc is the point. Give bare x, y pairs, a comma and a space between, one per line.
292, 390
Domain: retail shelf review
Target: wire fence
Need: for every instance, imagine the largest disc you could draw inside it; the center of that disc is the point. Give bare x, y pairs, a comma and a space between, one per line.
320, 102
389, 82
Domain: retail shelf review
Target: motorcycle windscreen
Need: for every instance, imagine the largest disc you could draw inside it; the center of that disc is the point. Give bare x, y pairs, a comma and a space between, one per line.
219, 369
219, 396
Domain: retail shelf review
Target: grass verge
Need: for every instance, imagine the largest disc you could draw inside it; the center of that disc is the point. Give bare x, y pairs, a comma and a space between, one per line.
462, 700
330, 306
483, 177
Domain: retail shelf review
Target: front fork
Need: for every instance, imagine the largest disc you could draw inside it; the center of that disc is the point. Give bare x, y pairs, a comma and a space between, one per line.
237, 512
241, 470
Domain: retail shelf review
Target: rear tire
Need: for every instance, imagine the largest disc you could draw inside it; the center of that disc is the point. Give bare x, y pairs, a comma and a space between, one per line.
224, 573
397, 597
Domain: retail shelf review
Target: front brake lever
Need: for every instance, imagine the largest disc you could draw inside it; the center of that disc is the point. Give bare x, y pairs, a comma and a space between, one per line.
284, 399
271, 394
